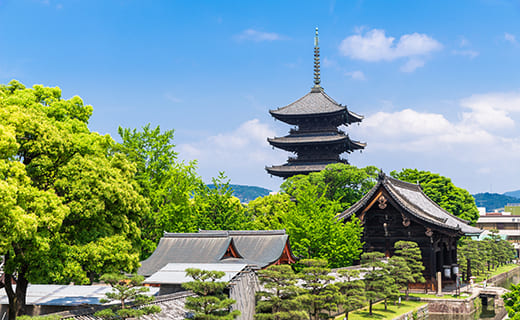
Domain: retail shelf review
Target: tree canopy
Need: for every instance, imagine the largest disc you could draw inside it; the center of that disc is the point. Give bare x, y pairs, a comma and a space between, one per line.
442, 191
70, 205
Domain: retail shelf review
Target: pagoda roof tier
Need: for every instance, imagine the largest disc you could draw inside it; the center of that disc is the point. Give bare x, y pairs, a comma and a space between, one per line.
314, 103
290, 169
293, 142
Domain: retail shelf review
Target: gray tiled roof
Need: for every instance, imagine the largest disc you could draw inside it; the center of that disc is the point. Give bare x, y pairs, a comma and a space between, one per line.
175, 273
313, 102
65, 295
411, 197
256, 248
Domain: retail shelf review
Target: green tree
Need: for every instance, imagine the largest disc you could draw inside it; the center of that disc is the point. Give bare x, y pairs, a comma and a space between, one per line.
69, 197
512, 302
442, 191
321, 296
340, 182
278, 300
375, 278
217, 209
411, 253
352, 289
211, 302
400, 272
166, 183
269, 212
126, 289
316, 233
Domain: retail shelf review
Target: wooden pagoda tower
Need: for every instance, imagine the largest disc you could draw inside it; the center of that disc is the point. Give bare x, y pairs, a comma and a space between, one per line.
316, 140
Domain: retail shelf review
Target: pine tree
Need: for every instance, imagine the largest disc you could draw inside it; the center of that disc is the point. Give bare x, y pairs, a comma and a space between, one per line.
411, 252
400, 272
126, 289
352, 289
374, 282
278, 300
321, 295
211, 303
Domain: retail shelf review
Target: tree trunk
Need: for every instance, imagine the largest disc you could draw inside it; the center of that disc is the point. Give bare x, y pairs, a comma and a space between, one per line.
17, 299
370, 307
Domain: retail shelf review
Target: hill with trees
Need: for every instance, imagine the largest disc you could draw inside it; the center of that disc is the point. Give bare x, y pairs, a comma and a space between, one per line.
492, 201
246, 193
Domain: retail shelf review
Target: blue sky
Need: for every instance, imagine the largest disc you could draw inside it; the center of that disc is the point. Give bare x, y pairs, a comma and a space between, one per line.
437, 81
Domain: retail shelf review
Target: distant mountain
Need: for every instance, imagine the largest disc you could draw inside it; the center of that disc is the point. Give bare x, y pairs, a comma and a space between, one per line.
494, 201
246, 193
515, 194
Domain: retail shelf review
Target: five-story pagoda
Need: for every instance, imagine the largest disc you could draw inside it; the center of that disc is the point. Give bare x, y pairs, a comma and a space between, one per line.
316, 139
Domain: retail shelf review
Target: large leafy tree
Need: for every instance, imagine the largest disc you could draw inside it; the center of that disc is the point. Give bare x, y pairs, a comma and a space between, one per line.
442, 191
512, 302
316, 233
340, 182
217, 209
69, 203
168, 184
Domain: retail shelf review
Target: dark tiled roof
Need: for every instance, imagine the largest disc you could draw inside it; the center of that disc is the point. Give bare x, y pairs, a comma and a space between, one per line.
308, 139
411, 197
257, 248
292, 142
291, 169
314, 102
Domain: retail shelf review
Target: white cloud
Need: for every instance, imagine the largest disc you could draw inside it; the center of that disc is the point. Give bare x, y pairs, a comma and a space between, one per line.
258, 36
510, 38
374, 45
492, 110
479, 147
172, 98
466, 53
241, 153
411, 65
356, 75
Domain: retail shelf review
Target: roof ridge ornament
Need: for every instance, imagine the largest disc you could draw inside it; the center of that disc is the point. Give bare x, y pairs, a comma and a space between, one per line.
317, 87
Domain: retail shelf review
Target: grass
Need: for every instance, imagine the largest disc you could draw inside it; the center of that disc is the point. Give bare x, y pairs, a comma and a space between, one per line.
433, 296
378, 311
497, 271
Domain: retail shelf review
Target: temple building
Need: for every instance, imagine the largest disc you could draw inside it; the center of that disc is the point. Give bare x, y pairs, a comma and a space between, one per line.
315, 140
395, 210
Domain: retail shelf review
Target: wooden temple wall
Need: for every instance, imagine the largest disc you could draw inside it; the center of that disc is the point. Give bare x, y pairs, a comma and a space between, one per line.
384, 227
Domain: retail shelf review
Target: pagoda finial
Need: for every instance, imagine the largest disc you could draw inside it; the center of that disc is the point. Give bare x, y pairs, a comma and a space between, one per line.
317, 80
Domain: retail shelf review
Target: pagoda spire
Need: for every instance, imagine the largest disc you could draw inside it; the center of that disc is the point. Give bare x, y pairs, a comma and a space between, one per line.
317, 80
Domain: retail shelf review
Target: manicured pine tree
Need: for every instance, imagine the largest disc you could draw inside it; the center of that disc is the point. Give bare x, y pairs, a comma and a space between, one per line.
211, 302
400, 272
278, 300
411, 252
126, 289
374, 277
321, 295
352, 289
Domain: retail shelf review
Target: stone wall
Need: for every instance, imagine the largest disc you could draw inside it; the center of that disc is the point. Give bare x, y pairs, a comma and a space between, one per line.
453, 306
419, 314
